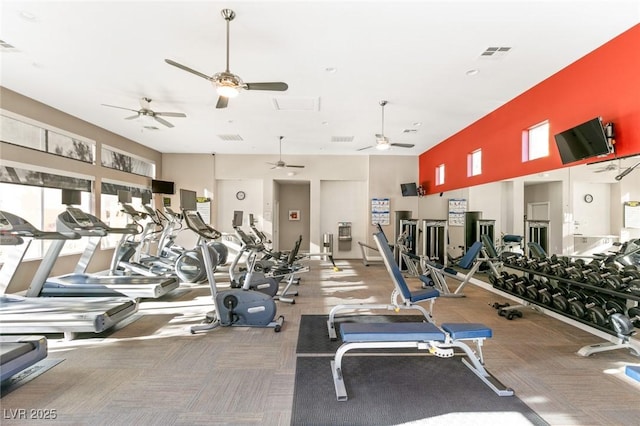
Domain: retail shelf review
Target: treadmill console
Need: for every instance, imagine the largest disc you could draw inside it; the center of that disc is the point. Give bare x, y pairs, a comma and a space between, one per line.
5, 225
80, 217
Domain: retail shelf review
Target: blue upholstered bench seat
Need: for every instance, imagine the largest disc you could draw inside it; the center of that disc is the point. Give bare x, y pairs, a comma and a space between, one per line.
390, 332
411, 331
459, 331
426, 294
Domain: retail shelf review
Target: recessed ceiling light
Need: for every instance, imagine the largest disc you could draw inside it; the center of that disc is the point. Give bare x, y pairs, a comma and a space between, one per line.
330, 69
325, 123
473, 72
417, 124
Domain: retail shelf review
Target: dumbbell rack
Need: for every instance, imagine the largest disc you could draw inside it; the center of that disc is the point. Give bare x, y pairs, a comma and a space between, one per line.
569, 284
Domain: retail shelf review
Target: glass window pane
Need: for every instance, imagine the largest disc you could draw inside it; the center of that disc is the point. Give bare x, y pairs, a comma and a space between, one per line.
69, 147
539, 141
23, 134
26, 202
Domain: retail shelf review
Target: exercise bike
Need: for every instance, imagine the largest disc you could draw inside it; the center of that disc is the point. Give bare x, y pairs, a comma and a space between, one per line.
232, 307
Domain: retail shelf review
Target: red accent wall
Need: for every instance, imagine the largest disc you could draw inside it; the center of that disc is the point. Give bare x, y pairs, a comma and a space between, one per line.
605, 83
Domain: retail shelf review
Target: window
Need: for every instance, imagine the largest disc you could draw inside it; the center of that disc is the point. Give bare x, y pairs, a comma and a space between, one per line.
39, 206
22, 131
440, 174
535, 142
474, 163
110, 211
115, 159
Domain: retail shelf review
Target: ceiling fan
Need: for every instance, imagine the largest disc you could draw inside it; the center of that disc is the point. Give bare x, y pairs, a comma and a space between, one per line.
227, 84
382, 142
611, 166
146, 111
281, 164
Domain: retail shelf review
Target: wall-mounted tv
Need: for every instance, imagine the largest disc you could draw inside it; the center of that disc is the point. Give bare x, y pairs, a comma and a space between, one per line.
124, 197
71, 197
188, 200
409, 189
583, 141
162, 187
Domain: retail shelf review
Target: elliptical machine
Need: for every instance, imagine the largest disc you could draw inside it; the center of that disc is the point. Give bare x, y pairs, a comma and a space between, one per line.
233, 307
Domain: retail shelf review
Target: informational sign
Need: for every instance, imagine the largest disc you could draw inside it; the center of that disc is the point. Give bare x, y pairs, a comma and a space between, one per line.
380, 211
457, 208
632, 214
205, 211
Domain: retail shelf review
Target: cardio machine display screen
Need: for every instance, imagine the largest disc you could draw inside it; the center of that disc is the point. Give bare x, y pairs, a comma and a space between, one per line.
79, 216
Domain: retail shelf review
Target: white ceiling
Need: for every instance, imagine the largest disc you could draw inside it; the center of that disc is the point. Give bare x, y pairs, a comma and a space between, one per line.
77, 55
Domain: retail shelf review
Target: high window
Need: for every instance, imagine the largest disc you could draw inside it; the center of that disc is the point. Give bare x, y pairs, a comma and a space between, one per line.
535, 142
440, 174
474, 163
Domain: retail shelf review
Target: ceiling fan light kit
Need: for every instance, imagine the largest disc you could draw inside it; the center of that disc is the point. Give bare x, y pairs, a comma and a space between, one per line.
382, 142
227, 84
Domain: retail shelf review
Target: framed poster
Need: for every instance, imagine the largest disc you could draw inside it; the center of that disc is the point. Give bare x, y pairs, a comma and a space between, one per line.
294, 214
380, 211
631, 214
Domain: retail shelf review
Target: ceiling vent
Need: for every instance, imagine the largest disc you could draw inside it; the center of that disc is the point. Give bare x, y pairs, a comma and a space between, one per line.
341, 139
495, 52
231, 138
291, 103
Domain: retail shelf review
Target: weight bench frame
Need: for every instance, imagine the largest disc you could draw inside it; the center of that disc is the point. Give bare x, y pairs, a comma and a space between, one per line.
470, 261
440, 342
402, 298
365, 259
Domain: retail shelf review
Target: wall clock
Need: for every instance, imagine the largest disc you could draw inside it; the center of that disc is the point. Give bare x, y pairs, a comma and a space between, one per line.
240, 195
588, 198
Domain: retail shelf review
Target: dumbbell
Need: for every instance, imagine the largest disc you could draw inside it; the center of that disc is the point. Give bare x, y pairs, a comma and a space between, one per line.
620, 281
548, 266
634, 316
600, 314
509, 313
580, 308
573, 272
509, 281
562, 298
545, 292
495, 281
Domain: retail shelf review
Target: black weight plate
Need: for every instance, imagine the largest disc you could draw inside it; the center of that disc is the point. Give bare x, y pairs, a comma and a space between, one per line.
560, 303
614, 307
577, 309
597, 315
634, 315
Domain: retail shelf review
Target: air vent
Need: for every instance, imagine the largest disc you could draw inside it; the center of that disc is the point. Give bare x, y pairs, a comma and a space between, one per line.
231, 138
495, 52
291, 103
410, 131
341, 138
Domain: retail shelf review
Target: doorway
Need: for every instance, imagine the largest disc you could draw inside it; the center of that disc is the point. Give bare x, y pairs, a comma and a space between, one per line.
293, 203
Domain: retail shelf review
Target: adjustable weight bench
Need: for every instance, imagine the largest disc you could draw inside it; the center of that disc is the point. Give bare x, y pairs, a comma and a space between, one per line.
401, 291
440, 342
469, 262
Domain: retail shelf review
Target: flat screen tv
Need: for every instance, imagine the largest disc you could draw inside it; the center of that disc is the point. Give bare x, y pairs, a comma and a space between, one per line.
409, 189
162, 187
583, 141
188, 200
146, 198
124, 197
71, 197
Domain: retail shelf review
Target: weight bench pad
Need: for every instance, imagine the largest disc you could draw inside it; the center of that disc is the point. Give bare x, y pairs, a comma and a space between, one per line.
426, 294
390, 332
461, 331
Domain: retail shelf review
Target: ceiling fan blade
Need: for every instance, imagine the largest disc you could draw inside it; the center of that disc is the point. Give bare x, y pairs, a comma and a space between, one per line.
133, 117
113, 106
186, 68
297, 167
222, 102
403, 145
162, 121
171, 114
277, 86
366, 147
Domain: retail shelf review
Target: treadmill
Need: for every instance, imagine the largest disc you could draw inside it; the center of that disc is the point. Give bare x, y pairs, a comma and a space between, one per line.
20, 314
81, 284
17, 353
